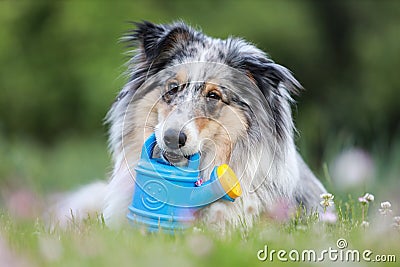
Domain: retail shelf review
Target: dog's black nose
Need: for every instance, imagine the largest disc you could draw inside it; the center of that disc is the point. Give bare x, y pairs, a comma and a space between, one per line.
182, 139
174, 139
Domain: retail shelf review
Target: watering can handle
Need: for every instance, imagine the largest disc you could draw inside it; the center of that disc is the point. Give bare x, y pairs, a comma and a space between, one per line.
150, 143
147, 149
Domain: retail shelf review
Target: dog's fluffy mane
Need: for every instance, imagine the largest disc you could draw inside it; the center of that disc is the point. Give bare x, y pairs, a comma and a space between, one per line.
272, 171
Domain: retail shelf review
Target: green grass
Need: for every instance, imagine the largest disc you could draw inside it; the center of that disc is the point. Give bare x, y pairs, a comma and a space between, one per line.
25, 241
92, 244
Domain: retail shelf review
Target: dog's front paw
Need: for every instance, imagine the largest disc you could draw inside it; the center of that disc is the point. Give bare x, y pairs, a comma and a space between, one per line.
216, 216
217, 213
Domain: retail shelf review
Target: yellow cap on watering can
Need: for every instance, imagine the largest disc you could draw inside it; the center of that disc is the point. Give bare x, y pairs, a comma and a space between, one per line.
229, 181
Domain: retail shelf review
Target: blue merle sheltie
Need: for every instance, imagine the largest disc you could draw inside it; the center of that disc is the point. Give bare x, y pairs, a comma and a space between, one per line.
225, 99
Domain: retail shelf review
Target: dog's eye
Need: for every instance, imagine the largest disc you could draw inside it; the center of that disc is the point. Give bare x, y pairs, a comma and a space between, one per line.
213, 95
173, 88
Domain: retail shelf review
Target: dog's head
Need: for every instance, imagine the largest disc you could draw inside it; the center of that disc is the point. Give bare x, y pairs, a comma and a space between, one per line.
201, 94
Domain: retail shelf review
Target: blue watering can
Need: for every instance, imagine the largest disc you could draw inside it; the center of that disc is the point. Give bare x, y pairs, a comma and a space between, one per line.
166, 197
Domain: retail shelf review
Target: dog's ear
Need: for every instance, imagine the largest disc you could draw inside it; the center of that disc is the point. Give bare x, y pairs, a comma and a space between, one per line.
159, 41
269, 75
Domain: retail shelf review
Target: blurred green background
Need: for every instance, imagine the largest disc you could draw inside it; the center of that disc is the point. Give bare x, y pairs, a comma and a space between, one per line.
62, 65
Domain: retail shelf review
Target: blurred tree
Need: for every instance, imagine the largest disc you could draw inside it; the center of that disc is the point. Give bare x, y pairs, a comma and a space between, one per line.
61, 61
357, 91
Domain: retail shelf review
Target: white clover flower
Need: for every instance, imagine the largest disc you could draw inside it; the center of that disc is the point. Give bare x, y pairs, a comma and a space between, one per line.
369, 197
364, 224
326, 196
362, 200
396, 222
385, 208
366, 198
326, 203
327, 200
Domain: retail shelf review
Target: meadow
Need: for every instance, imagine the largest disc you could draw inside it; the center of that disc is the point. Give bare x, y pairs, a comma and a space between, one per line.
34, 172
